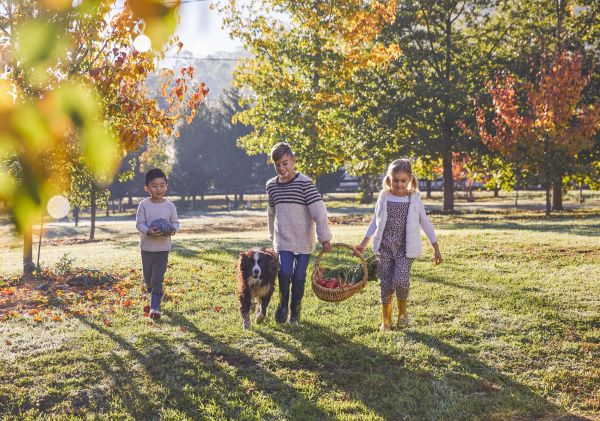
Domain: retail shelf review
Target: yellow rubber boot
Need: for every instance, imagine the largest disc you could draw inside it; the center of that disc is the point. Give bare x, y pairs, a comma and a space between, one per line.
402, 314
386, 317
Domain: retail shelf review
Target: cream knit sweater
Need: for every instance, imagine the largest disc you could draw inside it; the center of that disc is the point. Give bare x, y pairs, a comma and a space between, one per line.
295, 207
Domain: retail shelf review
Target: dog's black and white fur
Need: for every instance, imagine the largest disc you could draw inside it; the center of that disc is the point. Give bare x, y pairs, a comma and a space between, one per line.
256, 274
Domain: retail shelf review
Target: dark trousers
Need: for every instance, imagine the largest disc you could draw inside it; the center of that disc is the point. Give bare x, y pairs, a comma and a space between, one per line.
292, 270
154, 266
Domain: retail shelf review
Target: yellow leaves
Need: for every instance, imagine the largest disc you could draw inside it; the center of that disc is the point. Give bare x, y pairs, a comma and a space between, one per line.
159, 17
57, 5
6, 99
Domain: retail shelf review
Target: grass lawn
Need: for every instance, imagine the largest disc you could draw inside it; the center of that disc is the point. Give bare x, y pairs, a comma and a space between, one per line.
507, 328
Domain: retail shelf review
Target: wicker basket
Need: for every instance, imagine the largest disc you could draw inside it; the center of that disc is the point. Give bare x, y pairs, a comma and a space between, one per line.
335, 295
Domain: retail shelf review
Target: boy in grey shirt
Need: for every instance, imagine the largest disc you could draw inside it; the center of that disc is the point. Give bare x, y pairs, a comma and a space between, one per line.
156, 220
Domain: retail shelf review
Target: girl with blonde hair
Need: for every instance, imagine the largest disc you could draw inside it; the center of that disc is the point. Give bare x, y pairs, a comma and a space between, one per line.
395, 229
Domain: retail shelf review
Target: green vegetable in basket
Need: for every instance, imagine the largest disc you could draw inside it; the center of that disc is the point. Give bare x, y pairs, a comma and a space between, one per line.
358, 272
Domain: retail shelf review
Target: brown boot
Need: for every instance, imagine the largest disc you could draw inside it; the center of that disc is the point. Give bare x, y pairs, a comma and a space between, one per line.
386, 317
402, 314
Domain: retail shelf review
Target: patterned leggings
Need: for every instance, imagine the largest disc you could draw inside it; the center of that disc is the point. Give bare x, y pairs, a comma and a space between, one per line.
394, 274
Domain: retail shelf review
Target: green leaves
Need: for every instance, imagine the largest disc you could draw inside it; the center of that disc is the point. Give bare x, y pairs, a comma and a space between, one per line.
40, 45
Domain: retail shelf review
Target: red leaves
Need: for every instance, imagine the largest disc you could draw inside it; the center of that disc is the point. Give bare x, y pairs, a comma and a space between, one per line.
217, 309
106, 322
547, 110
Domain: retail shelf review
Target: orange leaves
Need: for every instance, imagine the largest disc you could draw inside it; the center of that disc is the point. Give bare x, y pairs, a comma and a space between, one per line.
7, 291
127, 303
549, 108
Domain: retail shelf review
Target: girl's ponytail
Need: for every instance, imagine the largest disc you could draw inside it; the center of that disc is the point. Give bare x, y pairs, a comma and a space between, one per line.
414, 183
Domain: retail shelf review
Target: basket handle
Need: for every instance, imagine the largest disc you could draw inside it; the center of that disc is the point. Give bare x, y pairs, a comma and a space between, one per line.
348, 246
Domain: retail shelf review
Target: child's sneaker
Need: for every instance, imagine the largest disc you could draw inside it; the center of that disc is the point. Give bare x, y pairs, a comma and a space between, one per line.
154, 314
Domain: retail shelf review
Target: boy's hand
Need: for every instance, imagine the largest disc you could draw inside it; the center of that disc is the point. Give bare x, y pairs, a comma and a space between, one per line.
153, 232
326, 246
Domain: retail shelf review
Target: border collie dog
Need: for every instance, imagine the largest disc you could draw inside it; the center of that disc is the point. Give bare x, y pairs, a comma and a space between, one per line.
256, 273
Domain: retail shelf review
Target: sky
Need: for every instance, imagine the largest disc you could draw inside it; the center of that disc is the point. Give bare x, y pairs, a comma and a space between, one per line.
200, 30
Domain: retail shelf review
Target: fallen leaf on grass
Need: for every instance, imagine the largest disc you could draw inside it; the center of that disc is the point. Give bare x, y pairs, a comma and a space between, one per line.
56, 318
127, 303
8, 291
216, 309
7, 342
106, 322
184, 329
37, 319
33, 312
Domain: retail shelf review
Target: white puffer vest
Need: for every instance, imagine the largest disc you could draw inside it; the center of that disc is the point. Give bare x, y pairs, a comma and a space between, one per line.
414, 245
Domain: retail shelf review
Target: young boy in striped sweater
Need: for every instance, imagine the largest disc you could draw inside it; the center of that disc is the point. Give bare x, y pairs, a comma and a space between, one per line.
295, 207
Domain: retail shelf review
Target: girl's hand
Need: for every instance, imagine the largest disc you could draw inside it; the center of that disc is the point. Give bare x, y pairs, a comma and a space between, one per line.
326, 246
437, 257
358, 250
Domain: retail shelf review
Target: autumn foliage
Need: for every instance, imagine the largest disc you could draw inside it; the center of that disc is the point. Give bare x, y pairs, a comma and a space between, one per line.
543, 123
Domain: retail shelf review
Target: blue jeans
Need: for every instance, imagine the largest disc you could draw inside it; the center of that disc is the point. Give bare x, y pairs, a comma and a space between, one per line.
292, 270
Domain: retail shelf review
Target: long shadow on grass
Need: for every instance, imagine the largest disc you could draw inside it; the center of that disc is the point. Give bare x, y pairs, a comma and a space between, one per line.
246, 367
511, 397
515, 299
384, 383
200, 376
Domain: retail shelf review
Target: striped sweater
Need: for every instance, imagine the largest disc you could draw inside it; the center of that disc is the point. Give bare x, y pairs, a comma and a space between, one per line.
295, 207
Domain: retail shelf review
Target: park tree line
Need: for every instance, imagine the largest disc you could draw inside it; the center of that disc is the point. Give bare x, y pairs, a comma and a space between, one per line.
505, 93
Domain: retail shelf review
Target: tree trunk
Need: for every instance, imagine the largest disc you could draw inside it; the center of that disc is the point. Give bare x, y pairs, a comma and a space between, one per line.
28, 265
120, 204
557, 194
581, 193
92, 212
129, 199
107, 209
447, 123
366, 187
496, 191
428, 183
516, 196
548, 205
76, 215
448, 182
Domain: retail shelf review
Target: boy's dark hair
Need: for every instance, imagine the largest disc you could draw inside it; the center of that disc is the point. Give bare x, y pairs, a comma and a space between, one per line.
281, 149
155, 173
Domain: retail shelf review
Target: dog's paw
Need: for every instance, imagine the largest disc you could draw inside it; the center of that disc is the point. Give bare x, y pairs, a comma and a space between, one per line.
260, 318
